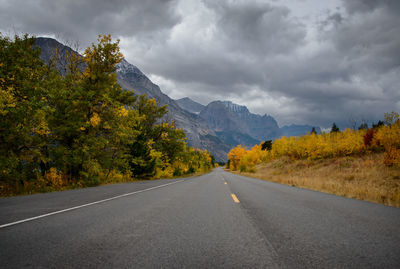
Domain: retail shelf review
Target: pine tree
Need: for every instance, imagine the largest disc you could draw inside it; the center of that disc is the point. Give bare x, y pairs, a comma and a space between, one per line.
267, 145
363, 126
313, 131
335, 129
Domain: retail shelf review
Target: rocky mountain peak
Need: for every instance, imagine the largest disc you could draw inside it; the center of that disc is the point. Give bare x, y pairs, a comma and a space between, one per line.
189, 105
235, 107
124, 67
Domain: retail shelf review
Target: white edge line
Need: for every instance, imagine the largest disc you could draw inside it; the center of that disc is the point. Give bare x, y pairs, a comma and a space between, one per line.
84, 205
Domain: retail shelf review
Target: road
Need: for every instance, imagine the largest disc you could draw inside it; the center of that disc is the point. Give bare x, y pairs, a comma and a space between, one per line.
218, 220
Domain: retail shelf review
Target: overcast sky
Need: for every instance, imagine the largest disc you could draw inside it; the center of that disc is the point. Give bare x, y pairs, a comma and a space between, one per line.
301, 61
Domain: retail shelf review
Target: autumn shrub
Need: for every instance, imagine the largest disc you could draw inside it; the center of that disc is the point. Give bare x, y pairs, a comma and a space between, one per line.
55, 179
242, 167
323, 146
362, 176
234, 156
191, 170
389, 137
392, 156
368, 137
164, 172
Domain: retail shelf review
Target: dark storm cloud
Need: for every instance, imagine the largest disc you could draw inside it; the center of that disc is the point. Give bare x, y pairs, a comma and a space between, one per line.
365, 6
364, 72
260, 55
341, 63
257, 28
83, 20
243, 36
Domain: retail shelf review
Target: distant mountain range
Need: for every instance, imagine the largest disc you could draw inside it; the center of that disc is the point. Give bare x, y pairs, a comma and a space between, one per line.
217, 127
235, 124
297, 130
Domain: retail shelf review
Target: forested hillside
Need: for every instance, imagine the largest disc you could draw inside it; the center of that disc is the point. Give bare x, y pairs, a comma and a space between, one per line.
78, 127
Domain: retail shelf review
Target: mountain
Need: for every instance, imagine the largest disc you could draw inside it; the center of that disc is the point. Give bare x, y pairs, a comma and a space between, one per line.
217, 127
260, 127
298, 130
198, 134
236, 138
234, 124
48, 48
190, 105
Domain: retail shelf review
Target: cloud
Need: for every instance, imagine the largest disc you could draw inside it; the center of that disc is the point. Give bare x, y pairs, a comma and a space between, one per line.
82, 21
305, 62
260, 55
256, 28
214, 49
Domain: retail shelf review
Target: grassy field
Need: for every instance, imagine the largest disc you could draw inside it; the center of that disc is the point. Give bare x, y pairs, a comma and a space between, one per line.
365, 177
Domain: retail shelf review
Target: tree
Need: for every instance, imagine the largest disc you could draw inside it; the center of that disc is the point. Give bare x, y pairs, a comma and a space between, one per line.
77, 125
378, 124
143, 155
391, 118
313, 131
267, 145
234, 157
363, 126
23, 108
334, 128
92, 121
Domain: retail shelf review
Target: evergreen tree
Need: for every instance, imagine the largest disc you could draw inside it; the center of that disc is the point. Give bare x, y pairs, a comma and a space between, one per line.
267, 145
313, 131
335, 129
378, 124
363, 126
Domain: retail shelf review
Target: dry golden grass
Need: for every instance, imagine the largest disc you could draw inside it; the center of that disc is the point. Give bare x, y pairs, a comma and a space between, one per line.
364, 177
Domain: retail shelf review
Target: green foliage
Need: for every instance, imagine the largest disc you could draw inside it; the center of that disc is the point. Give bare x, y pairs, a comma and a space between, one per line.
80, 128
363, 126
313, 131
378, 124
334, 128
267, 145
23, 108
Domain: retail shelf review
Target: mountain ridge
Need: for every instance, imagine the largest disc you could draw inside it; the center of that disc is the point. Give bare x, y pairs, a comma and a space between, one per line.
189, 105
246, 128
198, 134
216, 127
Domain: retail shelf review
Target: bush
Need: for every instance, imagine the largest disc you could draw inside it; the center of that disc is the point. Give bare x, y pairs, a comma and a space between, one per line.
322, 146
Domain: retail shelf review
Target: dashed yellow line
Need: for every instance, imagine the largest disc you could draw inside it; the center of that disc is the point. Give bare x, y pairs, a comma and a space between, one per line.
235, 199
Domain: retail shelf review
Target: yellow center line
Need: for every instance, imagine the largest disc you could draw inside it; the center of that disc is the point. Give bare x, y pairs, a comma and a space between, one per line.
235, 199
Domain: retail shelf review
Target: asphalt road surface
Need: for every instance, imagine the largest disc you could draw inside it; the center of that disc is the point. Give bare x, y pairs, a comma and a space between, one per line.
217, 220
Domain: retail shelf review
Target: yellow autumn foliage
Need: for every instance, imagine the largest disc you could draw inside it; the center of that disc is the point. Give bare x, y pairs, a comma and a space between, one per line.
55, 178
95, 119
323, 146
389, 137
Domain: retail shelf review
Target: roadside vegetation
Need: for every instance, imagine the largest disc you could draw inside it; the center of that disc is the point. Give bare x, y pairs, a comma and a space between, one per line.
77, 128
362, 164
